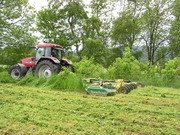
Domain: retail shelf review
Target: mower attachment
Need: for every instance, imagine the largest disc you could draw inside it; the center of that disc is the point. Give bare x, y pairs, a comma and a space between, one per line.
110, 87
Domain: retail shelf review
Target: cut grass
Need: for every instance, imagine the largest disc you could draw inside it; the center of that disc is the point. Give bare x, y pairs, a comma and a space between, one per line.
30, 110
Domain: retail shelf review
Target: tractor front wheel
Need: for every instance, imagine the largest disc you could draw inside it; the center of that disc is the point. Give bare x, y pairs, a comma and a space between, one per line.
46, 68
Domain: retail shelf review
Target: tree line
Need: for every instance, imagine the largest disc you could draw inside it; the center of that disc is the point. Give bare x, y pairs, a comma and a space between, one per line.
150, 28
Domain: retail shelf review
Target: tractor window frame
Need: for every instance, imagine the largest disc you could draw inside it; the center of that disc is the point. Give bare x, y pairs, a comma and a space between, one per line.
39, 54
48, 51
57, 53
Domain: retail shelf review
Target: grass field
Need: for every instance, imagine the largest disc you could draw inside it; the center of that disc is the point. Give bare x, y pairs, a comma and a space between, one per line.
144, 111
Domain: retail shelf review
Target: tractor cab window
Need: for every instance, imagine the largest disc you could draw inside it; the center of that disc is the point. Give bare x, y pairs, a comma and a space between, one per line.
39, 53
57, 53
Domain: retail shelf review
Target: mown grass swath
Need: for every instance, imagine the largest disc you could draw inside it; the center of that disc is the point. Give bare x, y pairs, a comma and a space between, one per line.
29, 110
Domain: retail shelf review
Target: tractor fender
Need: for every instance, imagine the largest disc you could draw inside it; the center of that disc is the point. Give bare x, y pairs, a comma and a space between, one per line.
66, 62
22, 67
53, 59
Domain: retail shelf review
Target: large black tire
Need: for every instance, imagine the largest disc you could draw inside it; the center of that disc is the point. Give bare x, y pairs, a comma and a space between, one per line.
123, 90
46, 68
17, 71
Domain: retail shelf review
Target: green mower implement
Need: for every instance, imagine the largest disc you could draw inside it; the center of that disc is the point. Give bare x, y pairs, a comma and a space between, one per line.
100, 91
119, 85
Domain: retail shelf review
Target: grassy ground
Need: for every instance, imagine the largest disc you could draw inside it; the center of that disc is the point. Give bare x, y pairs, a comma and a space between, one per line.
145, 111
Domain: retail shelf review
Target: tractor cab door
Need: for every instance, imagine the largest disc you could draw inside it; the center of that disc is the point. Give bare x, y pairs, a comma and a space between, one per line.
57, 53
40, 52
43, 52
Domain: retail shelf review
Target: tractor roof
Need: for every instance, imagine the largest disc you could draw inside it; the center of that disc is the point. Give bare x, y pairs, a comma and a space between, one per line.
49, 45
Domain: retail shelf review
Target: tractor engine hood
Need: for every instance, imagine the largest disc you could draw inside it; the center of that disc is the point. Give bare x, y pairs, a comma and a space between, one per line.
66, 62
28, 62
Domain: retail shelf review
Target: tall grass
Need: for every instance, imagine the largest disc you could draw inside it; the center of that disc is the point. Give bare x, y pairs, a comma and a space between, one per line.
3, 68
160, 82
6, 78
65, 80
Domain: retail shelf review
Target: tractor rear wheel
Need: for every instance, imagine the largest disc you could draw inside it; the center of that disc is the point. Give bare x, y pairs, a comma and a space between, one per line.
46, 68
123, 90
16, 72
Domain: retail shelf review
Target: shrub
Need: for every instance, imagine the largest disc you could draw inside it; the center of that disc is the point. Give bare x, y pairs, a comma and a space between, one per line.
87, 68
3, 68
125, 68
171, 70
6, 78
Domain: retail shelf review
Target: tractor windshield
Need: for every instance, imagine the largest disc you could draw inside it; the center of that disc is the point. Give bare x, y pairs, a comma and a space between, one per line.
57, 53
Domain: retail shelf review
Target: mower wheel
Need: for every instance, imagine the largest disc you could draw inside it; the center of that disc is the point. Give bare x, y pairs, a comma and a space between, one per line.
46, 68
129, 87
140, 84
123, 90
134, 85
17, 71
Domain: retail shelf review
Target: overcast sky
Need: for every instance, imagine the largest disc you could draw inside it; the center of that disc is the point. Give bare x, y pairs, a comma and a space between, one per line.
39, 3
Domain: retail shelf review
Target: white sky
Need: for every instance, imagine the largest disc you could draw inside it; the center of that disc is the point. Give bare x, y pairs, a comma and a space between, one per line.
38, 4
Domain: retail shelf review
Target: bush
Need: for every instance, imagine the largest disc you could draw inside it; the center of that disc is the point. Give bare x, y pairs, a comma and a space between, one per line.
171, 70
6, 78
167, 76
3, 68
87, 68
125, 68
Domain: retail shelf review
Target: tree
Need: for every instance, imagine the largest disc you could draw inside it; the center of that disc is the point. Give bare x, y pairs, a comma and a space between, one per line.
97, 32
75, 15
155, 32
126, 28
16, 30
94, 48
175, 30
50, 23
61, 23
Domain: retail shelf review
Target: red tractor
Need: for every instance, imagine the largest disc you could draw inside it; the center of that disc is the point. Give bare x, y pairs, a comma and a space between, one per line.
47, 62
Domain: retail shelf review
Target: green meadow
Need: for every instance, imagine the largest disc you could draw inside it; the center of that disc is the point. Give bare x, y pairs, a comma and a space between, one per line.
38, 110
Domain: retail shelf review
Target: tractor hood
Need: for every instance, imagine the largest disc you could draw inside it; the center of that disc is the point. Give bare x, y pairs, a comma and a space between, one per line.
69, 62
28, 62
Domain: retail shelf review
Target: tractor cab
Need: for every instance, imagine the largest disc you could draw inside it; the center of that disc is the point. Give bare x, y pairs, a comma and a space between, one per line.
49, 50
